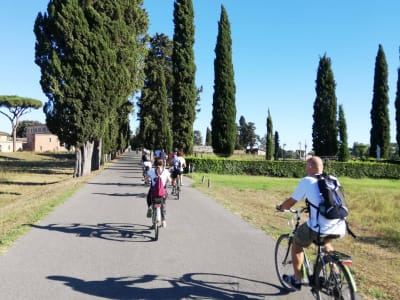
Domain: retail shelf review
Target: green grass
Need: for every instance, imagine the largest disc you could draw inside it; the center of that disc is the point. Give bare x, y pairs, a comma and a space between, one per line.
374, 208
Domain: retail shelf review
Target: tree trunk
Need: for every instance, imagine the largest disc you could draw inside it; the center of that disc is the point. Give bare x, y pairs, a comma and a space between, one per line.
78, 162
87, 158
96, 158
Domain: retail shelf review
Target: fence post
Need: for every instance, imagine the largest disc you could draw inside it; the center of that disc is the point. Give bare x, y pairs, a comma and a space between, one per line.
209, 182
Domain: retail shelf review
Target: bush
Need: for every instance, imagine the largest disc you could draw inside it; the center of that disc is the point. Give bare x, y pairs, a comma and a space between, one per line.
292, 168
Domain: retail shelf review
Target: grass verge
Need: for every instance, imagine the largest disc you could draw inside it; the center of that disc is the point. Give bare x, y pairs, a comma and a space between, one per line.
373, 205
31, 186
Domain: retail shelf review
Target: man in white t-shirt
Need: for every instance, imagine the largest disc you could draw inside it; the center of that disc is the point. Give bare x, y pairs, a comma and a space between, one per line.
315, 225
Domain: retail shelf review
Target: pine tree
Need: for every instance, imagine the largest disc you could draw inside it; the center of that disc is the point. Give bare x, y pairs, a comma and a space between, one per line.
324, 129
223, 121
184, 93
269, 153
344, 153
380, 131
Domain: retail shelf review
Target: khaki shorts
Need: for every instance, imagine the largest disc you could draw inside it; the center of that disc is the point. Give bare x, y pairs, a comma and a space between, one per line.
305, 236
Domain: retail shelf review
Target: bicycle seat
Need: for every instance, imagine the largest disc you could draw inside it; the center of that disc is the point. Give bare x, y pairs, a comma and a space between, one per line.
323, 238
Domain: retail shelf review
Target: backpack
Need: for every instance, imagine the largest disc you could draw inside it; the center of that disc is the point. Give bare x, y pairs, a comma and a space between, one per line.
177, 163
333, 205
158, 191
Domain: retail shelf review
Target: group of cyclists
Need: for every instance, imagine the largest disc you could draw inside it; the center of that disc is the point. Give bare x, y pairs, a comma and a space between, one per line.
168, 167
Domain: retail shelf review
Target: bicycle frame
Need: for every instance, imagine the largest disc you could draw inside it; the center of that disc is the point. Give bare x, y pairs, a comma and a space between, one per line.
324, 277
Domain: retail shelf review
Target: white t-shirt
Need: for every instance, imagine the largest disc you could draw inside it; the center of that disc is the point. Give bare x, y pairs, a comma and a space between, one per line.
165, 176
308, 188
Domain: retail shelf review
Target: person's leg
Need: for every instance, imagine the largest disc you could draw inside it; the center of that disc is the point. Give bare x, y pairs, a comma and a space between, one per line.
164, 212
148, 200
297, 259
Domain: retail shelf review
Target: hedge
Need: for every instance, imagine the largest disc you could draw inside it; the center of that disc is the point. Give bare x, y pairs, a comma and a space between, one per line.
291, 168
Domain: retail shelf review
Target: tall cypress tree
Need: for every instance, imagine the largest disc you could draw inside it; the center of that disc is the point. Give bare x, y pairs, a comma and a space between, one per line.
184, 93
344, 153
380, 131
324, 129
223, 121
397, 108
155, 127
86, 79
276, 145
269, 153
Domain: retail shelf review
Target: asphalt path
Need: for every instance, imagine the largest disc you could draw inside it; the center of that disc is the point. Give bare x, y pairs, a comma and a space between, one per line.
99, 245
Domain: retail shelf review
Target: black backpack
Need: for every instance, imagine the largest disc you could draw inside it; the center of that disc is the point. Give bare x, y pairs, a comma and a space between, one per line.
333, 205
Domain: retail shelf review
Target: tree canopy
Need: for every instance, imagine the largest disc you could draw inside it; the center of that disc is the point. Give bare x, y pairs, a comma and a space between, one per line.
223, 123
324, 129
380, 130
91, 58
17, 106
184, 92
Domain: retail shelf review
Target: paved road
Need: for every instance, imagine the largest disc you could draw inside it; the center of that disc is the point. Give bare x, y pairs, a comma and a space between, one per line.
98, 245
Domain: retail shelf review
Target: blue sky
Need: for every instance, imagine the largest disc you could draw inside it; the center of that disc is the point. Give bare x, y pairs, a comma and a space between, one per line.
276, 48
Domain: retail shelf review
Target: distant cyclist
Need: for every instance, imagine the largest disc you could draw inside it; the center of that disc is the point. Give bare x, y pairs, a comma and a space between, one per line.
178, 165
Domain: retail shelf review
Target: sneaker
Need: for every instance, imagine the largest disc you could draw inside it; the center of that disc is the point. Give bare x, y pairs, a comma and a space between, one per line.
149, 212
293, 283
164, 224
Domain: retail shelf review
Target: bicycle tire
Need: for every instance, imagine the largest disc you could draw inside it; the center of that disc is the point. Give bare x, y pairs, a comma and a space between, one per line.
333, 280
283, 258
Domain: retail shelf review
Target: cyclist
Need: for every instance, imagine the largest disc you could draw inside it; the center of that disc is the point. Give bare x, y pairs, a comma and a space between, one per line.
161, 171
178, 165
316, 226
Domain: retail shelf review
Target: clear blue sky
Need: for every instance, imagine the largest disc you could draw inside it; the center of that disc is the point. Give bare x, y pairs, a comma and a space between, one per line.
276, 48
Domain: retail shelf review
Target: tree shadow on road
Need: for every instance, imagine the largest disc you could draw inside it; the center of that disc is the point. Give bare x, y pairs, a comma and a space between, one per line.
189, 286
120, 232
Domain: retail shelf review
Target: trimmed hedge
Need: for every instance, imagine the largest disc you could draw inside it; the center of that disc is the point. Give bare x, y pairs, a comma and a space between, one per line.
292, 168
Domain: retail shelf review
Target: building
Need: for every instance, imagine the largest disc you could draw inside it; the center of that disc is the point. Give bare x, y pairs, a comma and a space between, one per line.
40, 139
6, 143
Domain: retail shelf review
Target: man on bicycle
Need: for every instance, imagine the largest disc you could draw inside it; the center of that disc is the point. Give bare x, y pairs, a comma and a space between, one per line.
178, 165
316, 226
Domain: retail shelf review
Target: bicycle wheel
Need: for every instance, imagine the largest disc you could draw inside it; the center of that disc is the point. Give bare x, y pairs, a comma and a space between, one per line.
333, 280
283, 258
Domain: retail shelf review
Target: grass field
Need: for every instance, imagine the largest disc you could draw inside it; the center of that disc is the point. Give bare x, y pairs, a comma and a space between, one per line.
31, 185
374, 208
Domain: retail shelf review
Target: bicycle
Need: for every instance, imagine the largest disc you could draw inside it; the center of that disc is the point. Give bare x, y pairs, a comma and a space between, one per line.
156, 216
330, 278
176, 189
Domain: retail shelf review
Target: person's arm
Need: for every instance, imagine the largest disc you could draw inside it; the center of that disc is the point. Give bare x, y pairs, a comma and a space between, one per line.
287, 204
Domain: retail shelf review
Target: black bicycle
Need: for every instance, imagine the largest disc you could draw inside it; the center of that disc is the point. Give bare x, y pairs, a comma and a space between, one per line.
330, 278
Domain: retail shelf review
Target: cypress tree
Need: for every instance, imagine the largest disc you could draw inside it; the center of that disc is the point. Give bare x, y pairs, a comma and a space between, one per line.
223, 121
380, 131
397, 108
344, 153
269, 153
324, 129
86, 79
155, 127
276, 145
184, 93
208, 137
